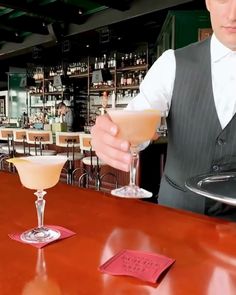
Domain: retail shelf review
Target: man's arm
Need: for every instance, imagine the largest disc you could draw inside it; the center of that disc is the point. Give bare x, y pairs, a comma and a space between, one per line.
155, 93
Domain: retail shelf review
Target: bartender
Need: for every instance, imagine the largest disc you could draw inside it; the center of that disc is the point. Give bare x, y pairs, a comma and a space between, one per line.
65, 114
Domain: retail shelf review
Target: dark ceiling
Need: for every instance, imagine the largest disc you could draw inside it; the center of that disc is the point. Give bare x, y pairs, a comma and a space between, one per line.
26, 23
20, 19
34, 27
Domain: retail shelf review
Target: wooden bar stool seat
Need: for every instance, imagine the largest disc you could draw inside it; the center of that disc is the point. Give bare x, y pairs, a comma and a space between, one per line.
70, 141
37, 140
7, 148
20, 143
94, 160
39, 152
6, 135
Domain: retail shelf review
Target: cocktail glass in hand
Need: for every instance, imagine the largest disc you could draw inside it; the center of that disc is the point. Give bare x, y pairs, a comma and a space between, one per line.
136, 126
39, 173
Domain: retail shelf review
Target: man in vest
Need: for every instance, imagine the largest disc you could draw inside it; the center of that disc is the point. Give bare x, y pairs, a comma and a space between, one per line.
197, 86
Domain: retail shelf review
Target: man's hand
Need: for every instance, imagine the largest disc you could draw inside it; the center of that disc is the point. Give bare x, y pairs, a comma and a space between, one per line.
111, 149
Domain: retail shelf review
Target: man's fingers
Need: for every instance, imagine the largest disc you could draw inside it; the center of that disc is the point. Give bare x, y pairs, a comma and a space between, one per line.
108, 146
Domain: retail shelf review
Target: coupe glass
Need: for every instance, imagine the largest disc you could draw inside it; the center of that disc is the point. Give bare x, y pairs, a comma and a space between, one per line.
136, 126
39, 173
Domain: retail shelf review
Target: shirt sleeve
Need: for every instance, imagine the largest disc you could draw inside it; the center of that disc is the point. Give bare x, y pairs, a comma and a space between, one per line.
157, 87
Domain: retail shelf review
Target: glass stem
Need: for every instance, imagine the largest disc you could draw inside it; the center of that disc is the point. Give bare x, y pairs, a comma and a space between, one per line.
40, 205
133, 166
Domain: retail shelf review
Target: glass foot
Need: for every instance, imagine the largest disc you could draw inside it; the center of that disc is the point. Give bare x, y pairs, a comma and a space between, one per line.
131, 192
40, 235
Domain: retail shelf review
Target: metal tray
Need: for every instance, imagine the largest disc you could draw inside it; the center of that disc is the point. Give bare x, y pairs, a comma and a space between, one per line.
220, 187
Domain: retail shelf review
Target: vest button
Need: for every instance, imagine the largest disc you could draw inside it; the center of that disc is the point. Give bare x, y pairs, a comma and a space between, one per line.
220, 141
215, 168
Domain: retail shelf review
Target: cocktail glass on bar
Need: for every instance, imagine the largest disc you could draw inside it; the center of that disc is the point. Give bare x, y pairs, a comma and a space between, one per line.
136, 126
39, 173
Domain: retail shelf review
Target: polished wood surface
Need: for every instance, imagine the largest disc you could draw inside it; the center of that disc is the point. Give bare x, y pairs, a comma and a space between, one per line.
204, 248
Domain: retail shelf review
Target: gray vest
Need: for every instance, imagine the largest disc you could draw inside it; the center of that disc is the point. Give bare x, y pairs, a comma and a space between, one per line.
196, 142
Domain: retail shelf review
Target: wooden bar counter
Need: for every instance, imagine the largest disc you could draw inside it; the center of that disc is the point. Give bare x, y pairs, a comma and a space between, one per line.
204, 248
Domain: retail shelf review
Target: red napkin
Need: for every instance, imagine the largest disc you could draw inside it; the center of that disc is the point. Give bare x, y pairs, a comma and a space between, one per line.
65, 233
142, 265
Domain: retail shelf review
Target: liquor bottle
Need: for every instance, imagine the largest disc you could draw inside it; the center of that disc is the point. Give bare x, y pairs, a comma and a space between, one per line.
122, 80
144, 58
139, 60
136, 78
113, 99
129, 79
140, 77
131, 61
126, 60
104, 61
125, 79
122, 62
68, 72
96, 64
114, 60
109, 62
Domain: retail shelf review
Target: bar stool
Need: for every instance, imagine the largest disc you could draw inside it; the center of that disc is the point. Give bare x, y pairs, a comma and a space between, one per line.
19, 136
70, 141
37, 139
7, 148
94, 164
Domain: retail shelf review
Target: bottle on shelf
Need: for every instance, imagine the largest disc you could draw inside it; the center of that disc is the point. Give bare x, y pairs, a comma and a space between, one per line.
131, 60
122, 64
141, 77
139, 60
135, 78
126, 71
144, 58
113, 99
104, 101
96, 64
111, 63
129, 80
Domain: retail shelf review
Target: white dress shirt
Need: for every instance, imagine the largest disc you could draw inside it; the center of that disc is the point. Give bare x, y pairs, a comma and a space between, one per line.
157, 87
